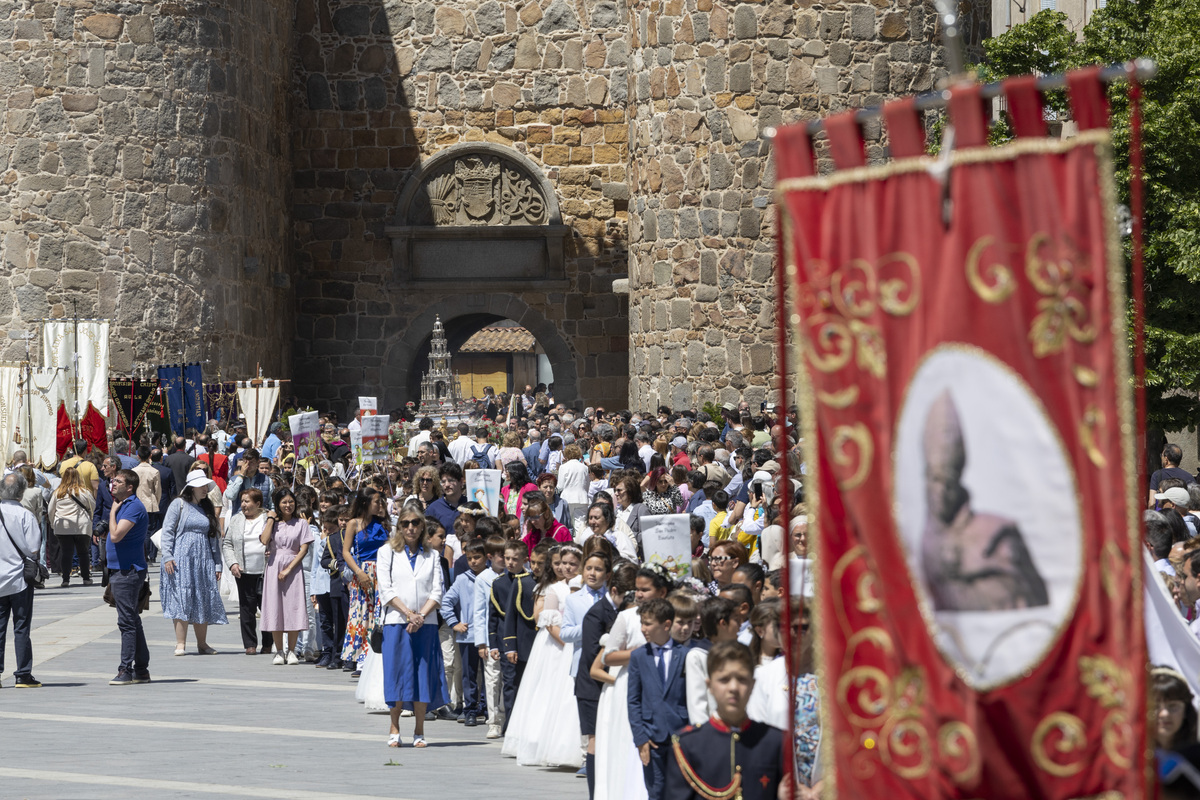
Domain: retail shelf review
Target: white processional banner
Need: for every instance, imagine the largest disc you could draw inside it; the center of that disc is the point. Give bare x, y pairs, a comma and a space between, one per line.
1169, 639
61, 339
258, 405
10, 407
47, 391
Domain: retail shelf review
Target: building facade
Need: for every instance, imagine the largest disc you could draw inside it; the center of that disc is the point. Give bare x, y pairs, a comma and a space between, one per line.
308, 186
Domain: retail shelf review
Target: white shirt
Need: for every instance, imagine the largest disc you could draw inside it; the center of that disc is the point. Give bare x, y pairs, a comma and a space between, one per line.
769, 698
27, 534
646, 452
700, 703
1163, 565
663, 652
481, 598
254, 551
415, 443
460, 449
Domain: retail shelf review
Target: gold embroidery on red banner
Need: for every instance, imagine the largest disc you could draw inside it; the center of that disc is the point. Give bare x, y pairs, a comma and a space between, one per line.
843, 398
997, 284
872, 354
905, 742
867, 602
864, 694
1089, 428
892, 291
960, 752
905, 747
1057, 737
1062, 313
1109, 684
856, 465
1112, 563
1087, 377
832, 347
1104, 680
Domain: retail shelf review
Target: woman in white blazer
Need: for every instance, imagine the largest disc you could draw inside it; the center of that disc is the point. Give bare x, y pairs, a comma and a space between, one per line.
410, 588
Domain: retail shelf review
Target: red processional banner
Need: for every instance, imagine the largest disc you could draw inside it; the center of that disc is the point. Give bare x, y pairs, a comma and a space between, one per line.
968, 432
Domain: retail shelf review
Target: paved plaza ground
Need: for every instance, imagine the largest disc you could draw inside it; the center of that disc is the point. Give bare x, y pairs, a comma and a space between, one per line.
229, 725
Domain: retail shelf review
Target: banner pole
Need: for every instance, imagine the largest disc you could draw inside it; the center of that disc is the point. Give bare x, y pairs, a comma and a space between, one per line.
788, 640
1138, 273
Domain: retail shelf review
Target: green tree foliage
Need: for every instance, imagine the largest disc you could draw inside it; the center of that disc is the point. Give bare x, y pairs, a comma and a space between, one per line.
1167, 31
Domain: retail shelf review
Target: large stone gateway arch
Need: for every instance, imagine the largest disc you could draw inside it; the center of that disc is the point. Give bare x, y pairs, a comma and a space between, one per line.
463, 315
476, 236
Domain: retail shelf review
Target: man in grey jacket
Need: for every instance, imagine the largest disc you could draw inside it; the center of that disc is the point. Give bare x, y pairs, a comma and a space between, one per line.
20, 536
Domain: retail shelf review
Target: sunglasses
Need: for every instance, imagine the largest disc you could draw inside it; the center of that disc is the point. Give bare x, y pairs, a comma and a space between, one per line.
409, 523
721, 559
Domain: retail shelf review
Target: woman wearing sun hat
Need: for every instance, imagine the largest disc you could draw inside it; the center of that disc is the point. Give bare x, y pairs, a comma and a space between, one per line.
191, 564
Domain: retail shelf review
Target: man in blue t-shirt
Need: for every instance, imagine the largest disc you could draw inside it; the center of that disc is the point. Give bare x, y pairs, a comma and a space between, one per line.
127, 526
1172, 456
445, 508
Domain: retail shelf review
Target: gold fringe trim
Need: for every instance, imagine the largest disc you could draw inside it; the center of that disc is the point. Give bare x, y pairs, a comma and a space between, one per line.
974, 155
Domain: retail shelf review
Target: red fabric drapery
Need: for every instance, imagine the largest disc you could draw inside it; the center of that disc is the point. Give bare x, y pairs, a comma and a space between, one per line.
968, 424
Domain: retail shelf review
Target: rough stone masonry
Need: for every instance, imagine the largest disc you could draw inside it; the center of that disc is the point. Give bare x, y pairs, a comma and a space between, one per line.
224, 181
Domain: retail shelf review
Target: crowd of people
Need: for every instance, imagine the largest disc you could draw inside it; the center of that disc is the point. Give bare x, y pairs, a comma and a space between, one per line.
1171, 526
542, 622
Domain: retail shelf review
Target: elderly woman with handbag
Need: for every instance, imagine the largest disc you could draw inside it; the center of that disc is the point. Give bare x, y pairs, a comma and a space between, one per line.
246, 557
410, 589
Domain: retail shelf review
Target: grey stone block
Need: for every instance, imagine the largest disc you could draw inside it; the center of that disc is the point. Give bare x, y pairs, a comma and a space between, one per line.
560, 16
354, 20
606, 14
489, 18
720, 171
467, 58
745, 22
740, 77
862, 21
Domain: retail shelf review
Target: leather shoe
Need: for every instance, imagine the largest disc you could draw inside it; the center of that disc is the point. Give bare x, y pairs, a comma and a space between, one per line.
470, 722
445, 713
250, 651
324, 660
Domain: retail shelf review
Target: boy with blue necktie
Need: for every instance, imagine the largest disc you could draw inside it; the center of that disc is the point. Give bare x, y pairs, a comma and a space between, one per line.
657, 692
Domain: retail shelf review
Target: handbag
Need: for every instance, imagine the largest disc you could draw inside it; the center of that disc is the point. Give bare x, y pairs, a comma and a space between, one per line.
31, 569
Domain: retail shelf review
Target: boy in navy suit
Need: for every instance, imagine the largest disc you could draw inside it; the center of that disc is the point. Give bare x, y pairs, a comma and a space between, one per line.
520, 626
657, 692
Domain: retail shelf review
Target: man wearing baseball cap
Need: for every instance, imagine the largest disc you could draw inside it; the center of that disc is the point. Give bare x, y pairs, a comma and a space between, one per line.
1178, 498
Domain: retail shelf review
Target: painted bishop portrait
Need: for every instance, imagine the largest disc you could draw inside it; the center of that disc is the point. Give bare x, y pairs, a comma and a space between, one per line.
972, 561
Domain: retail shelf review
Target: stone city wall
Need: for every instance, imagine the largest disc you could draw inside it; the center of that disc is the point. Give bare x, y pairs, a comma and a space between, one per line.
144, 176
382, 87
706, 76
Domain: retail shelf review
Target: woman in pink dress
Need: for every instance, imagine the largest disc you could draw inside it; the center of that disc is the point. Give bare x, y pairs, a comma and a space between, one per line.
287, 537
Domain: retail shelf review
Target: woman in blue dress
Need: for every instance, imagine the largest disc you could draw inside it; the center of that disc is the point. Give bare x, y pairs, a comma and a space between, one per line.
191, 564
410, 590
365, 533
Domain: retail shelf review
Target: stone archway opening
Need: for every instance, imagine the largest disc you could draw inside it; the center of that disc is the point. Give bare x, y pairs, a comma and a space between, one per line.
512, 345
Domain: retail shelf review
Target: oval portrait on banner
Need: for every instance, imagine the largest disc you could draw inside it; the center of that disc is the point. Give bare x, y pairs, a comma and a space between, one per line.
987, 506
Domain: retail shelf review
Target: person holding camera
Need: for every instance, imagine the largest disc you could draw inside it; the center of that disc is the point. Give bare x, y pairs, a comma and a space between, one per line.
20, 543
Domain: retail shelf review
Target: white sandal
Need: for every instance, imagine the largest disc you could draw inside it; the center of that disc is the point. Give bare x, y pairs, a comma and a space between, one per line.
419, 740
394, 740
